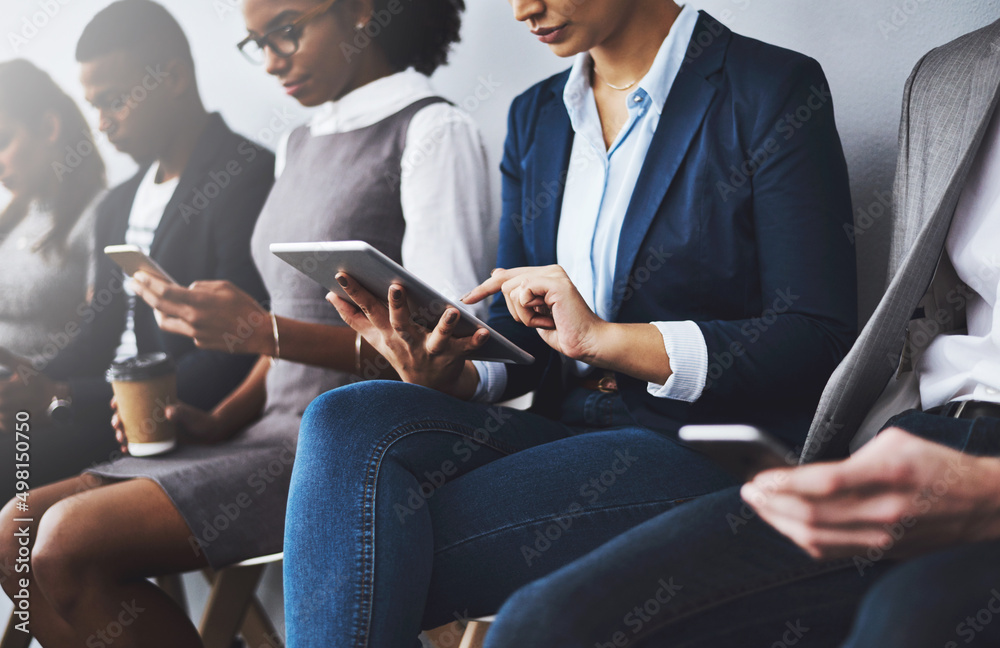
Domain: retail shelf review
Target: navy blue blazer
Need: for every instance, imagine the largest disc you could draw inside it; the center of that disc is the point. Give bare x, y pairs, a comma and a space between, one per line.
737, 223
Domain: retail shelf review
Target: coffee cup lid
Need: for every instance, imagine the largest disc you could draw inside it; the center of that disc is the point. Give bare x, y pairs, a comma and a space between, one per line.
144, 366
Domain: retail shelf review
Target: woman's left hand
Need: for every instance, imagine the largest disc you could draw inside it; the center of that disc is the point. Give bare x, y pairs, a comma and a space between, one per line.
545, 299
217, 315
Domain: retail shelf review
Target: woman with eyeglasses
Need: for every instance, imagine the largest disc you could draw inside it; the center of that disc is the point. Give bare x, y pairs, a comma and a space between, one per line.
672, 251
384, 160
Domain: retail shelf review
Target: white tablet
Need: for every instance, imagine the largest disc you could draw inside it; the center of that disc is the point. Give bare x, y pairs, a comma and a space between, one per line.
321, 262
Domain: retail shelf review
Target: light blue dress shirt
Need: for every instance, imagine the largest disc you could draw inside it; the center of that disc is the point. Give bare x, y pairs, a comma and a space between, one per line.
599, 185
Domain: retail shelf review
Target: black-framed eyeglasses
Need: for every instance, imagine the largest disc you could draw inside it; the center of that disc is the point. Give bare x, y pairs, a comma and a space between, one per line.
283, 40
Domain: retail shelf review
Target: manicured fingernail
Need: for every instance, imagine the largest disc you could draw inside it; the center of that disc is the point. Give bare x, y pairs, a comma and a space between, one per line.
395, 293
342, 280
451, 317
464, 296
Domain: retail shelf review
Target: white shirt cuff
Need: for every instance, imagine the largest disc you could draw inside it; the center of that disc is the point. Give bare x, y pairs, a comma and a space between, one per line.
492, 381
688, 352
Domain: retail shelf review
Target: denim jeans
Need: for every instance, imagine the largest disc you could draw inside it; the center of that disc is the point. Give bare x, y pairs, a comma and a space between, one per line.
409, 508
713, 575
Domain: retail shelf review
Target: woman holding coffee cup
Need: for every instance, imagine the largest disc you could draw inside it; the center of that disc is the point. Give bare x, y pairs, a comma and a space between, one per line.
386, 161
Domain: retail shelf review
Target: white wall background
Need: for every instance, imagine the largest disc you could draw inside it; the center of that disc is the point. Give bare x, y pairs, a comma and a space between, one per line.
867, 48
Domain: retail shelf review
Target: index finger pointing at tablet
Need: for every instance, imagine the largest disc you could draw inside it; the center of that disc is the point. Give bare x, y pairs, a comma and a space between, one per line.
492, 285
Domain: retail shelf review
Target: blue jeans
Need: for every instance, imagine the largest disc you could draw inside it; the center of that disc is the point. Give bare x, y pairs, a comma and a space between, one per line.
713, 575
409, 508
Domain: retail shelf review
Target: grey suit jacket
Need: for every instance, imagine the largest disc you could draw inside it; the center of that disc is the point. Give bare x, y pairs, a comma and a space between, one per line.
947, 104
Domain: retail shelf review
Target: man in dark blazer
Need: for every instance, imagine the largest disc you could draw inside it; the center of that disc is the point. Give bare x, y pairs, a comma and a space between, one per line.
137, 70
898, 544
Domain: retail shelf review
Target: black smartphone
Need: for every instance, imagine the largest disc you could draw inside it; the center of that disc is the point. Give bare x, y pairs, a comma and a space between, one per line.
743, 450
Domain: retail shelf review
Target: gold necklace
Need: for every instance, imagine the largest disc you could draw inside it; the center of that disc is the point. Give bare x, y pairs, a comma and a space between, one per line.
613, 87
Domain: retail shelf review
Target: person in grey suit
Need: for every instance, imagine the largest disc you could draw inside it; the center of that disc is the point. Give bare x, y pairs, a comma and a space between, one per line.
897, 544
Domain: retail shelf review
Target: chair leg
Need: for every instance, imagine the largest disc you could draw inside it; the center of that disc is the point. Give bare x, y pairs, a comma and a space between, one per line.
232, 590
475, 634
257, 629
173, 585
13, 638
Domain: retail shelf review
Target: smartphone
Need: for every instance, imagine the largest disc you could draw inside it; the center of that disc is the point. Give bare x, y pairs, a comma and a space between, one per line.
743, 450
131, 259
5, 373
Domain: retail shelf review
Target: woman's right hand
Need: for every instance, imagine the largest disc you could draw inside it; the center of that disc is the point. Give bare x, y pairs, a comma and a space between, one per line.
116, 423
433, 358
194, 426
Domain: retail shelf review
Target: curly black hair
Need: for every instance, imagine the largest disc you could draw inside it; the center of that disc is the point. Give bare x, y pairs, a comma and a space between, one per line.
415, 33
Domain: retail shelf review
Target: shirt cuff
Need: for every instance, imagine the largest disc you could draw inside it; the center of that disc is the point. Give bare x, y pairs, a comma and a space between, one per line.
688, 352
492, 381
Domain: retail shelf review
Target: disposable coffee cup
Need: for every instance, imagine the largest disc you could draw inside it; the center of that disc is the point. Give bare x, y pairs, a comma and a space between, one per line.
144, 387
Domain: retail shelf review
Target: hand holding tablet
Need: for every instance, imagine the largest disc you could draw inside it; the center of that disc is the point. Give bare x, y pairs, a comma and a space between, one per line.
426, 337
369, 275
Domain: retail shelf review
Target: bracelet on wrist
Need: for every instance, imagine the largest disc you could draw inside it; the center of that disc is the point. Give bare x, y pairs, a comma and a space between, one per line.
277, 340
357, 355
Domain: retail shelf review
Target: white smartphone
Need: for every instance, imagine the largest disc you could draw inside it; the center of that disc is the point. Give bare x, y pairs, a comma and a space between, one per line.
743, 450
376, 272
131, 259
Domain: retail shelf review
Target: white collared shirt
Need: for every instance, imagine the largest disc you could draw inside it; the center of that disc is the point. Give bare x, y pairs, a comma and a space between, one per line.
450, 238
963, 367
599, 186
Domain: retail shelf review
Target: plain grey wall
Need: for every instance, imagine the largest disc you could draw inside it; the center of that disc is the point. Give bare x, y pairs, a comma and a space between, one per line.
867, 48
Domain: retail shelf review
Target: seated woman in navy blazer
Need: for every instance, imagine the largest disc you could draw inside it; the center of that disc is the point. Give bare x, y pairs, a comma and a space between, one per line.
672, 251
